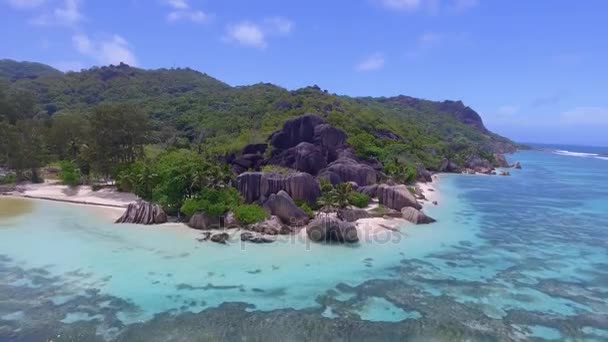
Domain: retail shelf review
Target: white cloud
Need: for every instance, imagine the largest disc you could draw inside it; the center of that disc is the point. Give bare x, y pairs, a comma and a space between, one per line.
66, 15
247, 34
113, 50
26, 4
251, 34
181, 10
178, 4
371, 63
432, 6
279, 25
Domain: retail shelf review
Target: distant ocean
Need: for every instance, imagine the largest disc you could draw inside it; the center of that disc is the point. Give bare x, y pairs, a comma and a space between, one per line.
511, 258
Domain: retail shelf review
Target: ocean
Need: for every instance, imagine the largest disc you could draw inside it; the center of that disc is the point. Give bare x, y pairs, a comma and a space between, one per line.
513, 258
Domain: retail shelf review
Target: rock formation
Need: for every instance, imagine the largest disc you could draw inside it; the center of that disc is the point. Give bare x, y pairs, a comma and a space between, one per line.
283, 206
254, 186
220, 238
349, 170
396, 197
423, 174
416, 216
271, 226
352, 215
328, 229
142, 212
449, 166
516, 165
202, 221
255, 238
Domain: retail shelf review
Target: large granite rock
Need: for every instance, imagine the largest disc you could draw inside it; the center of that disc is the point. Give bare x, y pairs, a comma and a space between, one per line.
352, 215
221, 238
332, 139
142, 212
295, 131
479, 164
416, 216
271, 226
397, 197
283, 206
423, 175
255, 149
203, 221
328, 229
350, 170
449, 166
370, 190
299, 186
304, 157
501, 160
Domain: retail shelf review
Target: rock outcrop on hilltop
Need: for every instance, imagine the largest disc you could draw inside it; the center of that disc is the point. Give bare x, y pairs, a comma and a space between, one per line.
311, 148
142, 212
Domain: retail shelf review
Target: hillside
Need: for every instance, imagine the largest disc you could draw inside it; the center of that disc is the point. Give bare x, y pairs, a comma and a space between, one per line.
189, 107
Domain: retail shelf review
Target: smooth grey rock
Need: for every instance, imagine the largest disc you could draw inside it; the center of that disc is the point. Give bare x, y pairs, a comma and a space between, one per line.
328, 229
416, 216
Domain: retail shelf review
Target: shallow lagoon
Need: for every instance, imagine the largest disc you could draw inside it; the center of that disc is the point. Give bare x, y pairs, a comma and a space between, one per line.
521, 257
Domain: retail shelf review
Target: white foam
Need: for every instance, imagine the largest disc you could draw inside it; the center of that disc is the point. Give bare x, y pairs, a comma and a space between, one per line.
575, 154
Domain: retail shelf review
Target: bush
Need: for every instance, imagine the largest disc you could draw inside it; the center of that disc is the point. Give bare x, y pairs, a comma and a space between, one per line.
249, 213
358, 199
213, 202
69, 174
9, 178
307, 209
278, 169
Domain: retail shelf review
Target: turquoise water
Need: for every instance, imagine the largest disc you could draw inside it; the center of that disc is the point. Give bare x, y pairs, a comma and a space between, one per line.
511, 258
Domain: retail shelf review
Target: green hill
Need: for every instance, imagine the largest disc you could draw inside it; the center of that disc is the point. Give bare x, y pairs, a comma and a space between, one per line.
188, 107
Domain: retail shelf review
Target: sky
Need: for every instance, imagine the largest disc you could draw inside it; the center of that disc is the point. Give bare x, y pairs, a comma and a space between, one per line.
535, 70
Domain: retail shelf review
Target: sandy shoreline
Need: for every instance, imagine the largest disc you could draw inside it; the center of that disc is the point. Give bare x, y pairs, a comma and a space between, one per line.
109, 204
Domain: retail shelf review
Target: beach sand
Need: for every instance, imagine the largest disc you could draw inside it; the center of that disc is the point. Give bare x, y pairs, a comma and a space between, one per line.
109, 205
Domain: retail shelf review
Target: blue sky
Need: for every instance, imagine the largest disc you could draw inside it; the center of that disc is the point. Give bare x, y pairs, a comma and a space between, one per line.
535, 70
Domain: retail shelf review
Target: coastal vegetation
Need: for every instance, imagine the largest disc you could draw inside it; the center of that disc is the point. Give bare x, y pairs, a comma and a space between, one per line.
193, 144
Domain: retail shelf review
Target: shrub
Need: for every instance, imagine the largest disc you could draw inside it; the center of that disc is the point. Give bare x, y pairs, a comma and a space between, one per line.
249, 213
213, 202
278, 169
358, 199
69, 174
9, 178
307, 209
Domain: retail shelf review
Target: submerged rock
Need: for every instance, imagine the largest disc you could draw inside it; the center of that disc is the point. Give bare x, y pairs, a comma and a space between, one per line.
142, 212
220, 238
255, 238
397, 197
416, 216
329, 229
286, 209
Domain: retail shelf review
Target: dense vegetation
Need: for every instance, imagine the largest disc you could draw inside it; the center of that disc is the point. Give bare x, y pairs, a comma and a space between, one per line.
161, 133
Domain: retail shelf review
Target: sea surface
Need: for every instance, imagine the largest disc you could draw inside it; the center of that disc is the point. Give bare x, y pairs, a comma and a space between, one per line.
513, 258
